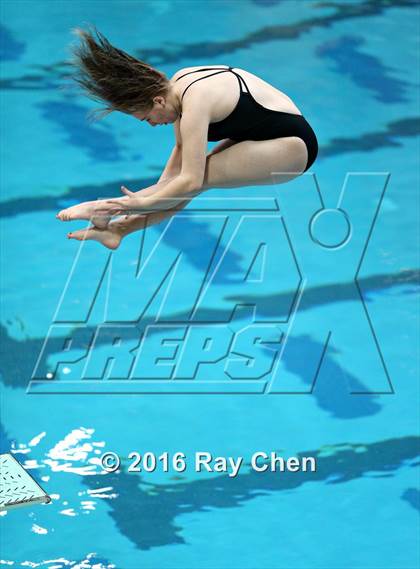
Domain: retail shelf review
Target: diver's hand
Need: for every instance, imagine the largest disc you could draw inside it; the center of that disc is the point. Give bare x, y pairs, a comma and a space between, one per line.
131, 203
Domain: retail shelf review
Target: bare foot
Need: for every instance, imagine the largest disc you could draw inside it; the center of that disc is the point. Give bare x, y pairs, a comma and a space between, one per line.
101, 222
109, 237
85, 210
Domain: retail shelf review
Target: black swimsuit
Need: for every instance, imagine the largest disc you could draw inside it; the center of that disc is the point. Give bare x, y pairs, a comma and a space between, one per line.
251, 121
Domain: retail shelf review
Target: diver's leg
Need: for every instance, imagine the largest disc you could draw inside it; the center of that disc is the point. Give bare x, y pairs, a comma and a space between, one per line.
246, 163
254, 163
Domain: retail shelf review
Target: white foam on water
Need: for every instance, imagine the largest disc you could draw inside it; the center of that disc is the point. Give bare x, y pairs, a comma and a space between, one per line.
36, 440
71, 449
69, 512
19, 450
58, 563
88, 504
107, 496
67, 467
102, 493
38, 529
75, 454
63, 456
96, 490
32, 463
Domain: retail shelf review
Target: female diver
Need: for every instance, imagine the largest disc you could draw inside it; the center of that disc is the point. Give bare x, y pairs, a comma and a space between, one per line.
260, 128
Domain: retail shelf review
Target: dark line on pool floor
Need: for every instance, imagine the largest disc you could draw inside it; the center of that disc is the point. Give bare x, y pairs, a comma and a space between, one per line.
201, 50
365, 70
372, 141
18, 357
98, 141
207, 49
148, 514
400, 129
11, 49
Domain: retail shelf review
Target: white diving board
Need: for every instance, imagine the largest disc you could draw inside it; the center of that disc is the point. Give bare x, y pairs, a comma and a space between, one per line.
17, 487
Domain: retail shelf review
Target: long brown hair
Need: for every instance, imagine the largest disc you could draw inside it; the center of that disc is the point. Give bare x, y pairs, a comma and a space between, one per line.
112, 76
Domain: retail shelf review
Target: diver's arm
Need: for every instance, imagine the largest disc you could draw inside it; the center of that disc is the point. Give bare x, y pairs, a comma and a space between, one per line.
173, 165
193, 131
188, 183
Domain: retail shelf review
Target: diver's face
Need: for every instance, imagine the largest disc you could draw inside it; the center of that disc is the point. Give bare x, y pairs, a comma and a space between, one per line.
161, 113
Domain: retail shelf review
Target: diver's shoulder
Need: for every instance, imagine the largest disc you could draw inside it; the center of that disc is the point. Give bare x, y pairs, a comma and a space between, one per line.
178, 74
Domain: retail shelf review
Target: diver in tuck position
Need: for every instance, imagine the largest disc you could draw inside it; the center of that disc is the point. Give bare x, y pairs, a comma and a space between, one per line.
260, 128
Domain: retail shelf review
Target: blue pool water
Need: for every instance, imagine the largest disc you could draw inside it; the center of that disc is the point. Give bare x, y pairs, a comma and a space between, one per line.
352, 68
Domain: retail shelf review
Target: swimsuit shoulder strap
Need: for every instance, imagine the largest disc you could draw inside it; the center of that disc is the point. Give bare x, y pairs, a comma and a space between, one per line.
203, 69
199, 79
218, 71
241, 81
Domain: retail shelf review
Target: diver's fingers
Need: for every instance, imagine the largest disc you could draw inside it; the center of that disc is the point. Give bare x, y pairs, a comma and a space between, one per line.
126, 191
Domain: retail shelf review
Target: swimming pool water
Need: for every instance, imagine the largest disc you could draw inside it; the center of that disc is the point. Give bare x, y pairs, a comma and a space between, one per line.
352, 68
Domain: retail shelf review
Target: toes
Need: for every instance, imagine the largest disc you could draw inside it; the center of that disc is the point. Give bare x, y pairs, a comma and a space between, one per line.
64, 215
76, 236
